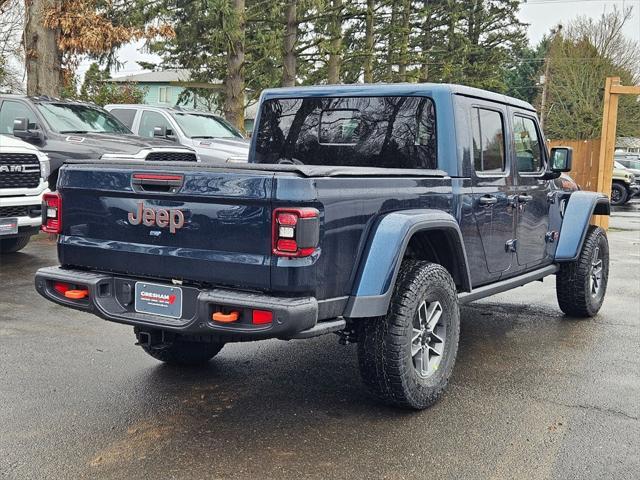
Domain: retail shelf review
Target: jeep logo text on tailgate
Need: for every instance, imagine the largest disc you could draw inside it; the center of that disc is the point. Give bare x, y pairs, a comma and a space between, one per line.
161, 217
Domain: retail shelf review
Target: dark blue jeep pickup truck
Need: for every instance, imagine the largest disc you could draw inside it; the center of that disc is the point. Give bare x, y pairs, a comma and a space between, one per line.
369, 211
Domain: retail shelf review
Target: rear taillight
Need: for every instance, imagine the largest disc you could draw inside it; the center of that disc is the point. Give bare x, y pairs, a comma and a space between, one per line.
51, 213
295, 231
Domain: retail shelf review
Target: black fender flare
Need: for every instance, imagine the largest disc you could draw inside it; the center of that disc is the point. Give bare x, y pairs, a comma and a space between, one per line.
575, 222
385, 250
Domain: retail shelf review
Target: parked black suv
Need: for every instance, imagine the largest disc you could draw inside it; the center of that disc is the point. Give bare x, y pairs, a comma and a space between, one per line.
74, 130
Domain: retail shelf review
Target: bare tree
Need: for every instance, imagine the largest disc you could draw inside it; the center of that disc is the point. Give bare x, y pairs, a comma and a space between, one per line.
11, 51
606, 35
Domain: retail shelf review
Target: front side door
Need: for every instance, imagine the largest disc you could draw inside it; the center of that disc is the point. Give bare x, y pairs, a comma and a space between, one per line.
531, 194
149, 120
12, 109
492, 185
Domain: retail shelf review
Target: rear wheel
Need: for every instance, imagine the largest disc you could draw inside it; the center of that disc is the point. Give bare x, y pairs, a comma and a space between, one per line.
582, 284
11, 245
618, 194
184, 353
406, 358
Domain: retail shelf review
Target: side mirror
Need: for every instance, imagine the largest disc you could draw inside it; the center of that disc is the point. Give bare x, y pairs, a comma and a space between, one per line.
561, 159
21, 130
160, 132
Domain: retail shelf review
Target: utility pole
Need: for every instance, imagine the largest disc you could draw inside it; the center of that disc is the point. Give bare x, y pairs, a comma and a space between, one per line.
545, 78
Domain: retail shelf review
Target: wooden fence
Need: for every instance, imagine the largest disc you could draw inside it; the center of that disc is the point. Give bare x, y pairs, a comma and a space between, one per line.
586, 154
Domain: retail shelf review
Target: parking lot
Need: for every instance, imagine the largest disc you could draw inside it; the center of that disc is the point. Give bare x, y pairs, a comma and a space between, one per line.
534, 395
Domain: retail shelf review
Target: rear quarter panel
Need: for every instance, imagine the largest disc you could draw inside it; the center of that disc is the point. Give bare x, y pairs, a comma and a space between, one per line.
349, 209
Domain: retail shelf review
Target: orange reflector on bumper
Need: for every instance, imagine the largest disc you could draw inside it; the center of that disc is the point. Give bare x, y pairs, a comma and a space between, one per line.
76, 294
225, 317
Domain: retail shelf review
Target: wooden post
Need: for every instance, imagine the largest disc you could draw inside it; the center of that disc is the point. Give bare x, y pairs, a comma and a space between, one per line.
607, 145
612, 89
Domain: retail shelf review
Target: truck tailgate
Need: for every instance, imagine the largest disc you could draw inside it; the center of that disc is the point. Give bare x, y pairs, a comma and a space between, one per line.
216, 229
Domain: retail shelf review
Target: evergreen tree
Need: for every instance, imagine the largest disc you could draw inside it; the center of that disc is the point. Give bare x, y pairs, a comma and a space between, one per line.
98, 90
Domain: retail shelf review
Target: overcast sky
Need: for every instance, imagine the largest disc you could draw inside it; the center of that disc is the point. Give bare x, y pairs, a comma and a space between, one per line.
541, 15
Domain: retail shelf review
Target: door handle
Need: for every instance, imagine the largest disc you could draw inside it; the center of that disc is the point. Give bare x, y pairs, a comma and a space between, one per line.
524, 198
488, 200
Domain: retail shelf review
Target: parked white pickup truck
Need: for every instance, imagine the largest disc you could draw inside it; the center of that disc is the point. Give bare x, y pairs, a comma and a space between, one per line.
23, 180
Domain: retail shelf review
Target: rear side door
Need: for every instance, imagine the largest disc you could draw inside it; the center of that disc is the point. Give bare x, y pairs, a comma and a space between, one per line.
125, 115
531, 199
492, 184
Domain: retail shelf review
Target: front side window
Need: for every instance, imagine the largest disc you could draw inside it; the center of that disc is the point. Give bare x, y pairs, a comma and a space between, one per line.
528, 145
385, 132
488, 141
196, 125
151, 120
75, 118
9, 111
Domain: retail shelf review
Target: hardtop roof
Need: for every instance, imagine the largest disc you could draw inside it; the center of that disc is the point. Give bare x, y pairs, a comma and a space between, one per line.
389, 89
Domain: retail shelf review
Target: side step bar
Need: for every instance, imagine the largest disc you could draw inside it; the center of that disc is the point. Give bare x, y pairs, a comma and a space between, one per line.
321, 328
508, 284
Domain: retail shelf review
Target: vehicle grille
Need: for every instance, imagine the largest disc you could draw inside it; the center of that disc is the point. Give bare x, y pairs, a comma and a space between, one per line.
20, 211
11, 174
171, 157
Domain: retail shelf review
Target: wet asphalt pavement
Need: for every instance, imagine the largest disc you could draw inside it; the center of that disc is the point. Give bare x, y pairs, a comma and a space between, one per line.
534, 395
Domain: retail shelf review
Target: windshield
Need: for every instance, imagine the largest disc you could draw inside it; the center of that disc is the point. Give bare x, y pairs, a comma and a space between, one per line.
195, 125
74, 118
635, 164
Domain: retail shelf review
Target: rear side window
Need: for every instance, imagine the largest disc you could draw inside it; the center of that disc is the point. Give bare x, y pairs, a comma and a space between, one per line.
125, 115
386, 132
528, 145
488, 141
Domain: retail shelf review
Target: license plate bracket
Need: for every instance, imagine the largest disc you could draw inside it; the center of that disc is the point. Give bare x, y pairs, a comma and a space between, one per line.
158, 299
8, 226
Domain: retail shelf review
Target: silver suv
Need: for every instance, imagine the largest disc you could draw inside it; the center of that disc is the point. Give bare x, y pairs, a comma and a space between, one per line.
213, 138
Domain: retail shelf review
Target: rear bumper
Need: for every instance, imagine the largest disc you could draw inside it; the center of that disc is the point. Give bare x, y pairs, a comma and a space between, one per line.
112, 298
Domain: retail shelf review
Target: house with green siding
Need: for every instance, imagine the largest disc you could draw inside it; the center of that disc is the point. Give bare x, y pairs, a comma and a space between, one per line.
163, 88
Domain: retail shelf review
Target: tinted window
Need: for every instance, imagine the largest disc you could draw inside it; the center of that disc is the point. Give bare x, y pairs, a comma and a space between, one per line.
488, 141
9, 111
527, 144
125, 115
149, 121
76, 118
391, 132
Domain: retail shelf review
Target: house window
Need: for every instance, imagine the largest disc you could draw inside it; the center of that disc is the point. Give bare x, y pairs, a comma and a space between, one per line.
164, 94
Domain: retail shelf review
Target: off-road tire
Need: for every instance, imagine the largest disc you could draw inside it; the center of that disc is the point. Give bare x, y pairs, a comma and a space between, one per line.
12, 245
385, 343
574, 280
185, 353
621, 191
